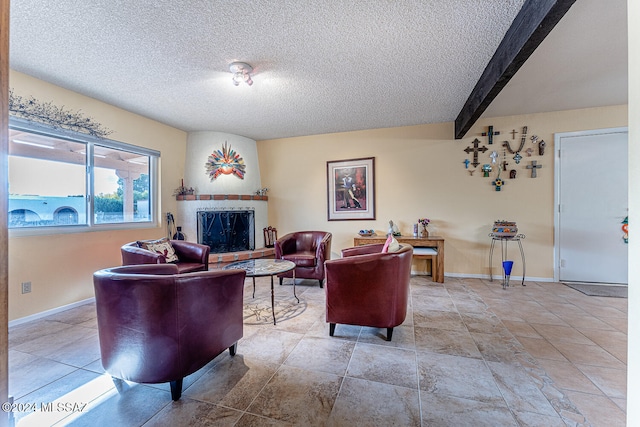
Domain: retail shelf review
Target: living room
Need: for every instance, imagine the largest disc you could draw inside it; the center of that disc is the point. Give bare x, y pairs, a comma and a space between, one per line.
419, 172
464, 213
462, 207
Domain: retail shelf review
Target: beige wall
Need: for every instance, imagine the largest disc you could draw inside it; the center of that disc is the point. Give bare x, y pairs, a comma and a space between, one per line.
419, 172
633, 345
60, 267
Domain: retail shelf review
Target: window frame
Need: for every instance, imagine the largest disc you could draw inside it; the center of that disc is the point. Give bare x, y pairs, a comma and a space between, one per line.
91, 141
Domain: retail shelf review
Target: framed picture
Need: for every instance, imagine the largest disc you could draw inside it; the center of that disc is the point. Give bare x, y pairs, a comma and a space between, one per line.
350, 189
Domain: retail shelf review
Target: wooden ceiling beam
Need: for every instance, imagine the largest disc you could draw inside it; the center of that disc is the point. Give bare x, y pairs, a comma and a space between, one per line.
533, 23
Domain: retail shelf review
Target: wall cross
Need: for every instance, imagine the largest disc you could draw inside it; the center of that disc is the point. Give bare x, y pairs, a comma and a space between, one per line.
490, 134
475, 150
534, 166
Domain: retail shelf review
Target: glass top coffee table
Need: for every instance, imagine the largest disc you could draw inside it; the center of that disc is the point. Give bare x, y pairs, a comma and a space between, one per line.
265, 267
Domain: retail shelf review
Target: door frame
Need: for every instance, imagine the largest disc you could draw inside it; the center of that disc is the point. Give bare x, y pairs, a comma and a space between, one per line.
556, 182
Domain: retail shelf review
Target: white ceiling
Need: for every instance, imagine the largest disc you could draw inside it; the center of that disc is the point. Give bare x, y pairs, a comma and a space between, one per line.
321, 66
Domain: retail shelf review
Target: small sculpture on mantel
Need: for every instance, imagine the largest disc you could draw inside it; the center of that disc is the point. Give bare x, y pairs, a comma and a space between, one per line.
183, 191
262, 191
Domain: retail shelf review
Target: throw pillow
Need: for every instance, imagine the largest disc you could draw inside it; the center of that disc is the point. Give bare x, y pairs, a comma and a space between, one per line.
394, 246
385, 248
161, 246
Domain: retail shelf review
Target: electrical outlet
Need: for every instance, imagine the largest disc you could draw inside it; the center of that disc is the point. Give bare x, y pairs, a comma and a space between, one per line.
26, 287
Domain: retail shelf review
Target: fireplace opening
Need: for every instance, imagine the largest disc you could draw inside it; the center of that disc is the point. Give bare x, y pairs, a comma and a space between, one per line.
227, 230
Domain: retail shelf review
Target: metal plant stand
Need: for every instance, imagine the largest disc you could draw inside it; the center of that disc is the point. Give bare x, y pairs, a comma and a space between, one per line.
504, 241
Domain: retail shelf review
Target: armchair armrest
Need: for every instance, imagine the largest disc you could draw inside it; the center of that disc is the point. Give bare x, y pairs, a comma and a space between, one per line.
191, 252
285, 245
133, 255
363, 250
323, 251
141, 269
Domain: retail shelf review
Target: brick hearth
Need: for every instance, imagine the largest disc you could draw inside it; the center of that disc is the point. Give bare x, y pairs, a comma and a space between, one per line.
219, 260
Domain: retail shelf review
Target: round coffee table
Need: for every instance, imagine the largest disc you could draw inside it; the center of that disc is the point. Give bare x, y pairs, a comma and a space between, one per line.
265, 267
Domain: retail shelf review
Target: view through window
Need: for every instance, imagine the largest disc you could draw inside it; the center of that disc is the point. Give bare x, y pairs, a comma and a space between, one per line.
56, 180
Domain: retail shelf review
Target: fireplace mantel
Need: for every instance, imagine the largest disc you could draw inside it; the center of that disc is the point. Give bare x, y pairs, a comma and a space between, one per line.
221, 197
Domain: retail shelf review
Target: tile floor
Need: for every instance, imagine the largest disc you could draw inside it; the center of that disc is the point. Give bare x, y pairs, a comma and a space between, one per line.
469, 353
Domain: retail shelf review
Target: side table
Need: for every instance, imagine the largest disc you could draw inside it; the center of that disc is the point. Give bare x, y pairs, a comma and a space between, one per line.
504, 241
435, 242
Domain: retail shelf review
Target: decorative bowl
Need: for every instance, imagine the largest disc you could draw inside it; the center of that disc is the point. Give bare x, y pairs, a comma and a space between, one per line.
367, 233
505, 229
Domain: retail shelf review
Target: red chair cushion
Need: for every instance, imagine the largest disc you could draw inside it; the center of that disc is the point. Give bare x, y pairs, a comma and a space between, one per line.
302, 259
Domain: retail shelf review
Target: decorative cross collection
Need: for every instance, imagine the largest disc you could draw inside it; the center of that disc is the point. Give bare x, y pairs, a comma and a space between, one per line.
475, 150
498, 183
523, 139
490, 134
494, 156
517, 152
534, 166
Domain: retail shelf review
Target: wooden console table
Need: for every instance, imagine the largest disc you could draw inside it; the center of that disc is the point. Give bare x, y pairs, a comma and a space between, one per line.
437, 242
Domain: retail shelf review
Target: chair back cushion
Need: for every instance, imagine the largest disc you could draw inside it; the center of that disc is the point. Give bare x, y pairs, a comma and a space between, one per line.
302, 259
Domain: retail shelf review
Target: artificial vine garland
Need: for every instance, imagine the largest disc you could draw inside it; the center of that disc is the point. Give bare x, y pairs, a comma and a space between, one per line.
46, 113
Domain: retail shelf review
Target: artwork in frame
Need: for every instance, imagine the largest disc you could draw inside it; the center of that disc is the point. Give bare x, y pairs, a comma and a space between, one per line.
350, 189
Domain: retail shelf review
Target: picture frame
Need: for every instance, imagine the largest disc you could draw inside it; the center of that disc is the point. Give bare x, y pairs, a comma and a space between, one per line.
351, 189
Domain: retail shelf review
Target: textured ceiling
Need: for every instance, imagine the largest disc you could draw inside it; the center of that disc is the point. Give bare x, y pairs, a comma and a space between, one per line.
321, 66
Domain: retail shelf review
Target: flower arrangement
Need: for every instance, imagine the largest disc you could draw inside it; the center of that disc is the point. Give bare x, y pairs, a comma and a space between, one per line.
424, 222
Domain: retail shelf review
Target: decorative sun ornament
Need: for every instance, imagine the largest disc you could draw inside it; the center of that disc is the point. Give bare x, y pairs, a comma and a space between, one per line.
225, 162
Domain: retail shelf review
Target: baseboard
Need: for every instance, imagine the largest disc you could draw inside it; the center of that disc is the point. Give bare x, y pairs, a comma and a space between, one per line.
46, 313
499, 277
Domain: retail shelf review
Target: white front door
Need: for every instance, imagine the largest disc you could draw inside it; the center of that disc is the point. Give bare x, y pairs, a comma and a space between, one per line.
591, 195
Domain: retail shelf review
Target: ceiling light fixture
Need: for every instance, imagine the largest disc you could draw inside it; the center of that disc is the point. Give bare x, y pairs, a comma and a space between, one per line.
241, 73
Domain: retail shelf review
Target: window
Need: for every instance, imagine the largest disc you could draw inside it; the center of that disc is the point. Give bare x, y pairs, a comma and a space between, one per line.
68, 179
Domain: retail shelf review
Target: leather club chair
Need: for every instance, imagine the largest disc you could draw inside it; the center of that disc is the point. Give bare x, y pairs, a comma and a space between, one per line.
368, 288
308, 250
157, 326
191, 256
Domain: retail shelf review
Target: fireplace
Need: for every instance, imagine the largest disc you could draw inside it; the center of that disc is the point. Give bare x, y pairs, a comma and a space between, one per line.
226, 230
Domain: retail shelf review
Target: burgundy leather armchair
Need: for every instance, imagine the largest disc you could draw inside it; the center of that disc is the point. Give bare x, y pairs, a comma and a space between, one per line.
158, 326
191, 256
308, 250
368, 288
